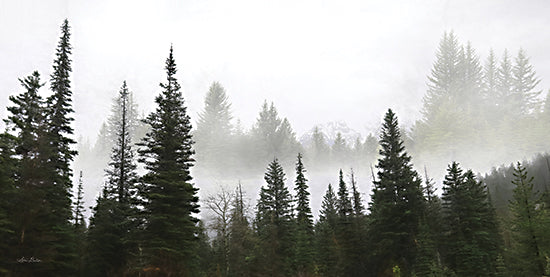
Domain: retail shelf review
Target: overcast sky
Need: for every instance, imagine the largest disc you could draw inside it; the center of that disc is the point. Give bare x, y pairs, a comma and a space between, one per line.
319, 61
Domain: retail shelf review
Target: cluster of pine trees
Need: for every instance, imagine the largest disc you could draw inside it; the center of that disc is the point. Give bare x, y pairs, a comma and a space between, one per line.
147, 225
492, 108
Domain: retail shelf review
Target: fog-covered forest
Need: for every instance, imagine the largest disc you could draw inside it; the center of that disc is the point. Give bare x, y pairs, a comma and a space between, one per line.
460, 190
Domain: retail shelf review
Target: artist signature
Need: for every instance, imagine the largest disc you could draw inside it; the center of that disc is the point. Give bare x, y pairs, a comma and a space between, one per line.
28, 260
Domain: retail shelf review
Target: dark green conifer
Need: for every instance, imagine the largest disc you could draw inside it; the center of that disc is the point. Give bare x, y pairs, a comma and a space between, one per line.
396, 205
325, 232
169, 240
304, 252
526, 226
274, 224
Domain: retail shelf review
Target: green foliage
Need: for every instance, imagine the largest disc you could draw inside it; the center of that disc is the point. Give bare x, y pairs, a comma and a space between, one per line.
273, 137
396, 204
471, 237
241, 238
215, 149
274, 224
169, 238
325, 232
304, 252
114, 219
526, 225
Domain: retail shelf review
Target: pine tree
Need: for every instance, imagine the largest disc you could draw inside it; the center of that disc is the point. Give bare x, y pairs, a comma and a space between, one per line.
526, 226
59, 156
169, 239
442, 82
490, 73
274, 223
78, 214
358, 208
319, 149
79, 223
241, 237
339, 148
524, 83
356, 238
214, 130
470, 232
505, 84
428, 260
344, 206
241, 240
273, 136
31, 225
325, 231
114, 216
396, 204
304, 252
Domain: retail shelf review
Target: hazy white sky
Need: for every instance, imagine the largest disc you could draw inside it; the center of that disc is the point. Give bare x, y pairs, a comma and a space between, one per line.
319, 61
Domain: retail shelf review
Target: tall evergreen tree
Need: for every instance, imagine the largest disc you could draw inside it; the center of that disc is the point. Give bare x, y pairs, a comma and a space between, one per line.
325, 231
442, 82
274, 223
505, 86
32, 226
241, 240
319, 149
527, 259
339, 148
524, 83
79, 205
344, 205
273, 136
60, 154
304, 252
358, 207
214, 130
114, 219
170, 234
470, 233
396, 204
428, 261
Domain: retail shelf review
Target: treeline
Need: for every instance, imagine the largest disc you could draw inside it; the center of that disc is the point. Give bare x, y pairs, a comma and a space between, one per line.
492, 108
146, 224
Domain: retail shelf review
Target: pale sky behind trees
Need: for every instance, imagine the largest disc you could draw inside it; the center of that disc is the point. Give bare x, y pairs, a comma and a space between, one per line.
319, 61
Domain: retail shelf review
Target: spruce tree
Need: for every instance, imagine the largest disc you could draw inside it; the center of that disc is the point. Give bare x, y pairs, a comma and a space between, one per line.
396, 204
358, 207
505, 84
526, 226
60, 154
78, 214
169, 240
274, 223
524, 83
304, 252
114, 218
428, 260
470, 226
273, 136
31, 226
214, 130
344, 205
325, 232
79, 223
241, 239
